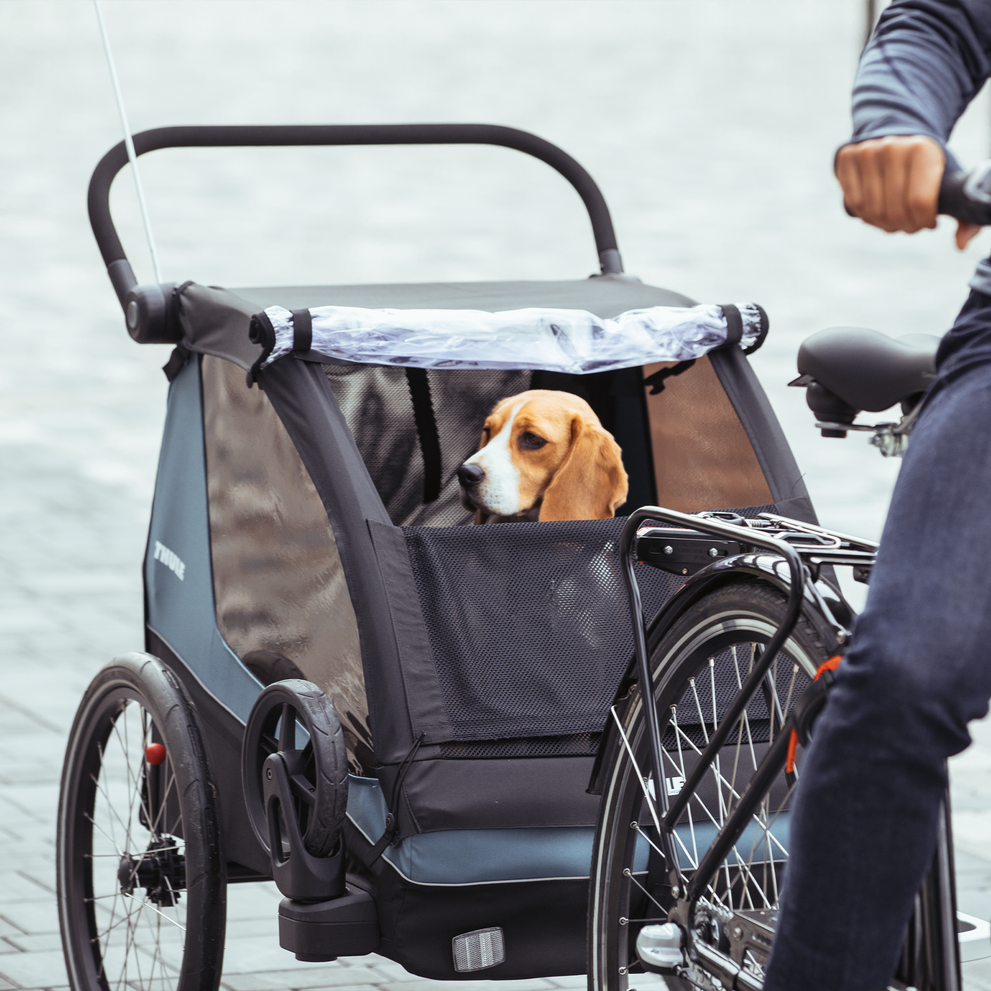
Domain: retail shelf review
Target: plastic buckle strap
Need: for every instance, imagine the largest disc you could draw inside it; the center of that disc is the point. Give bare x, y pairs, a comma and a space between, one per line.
180, 353
178, 358
261, 331
392, 816
655, 382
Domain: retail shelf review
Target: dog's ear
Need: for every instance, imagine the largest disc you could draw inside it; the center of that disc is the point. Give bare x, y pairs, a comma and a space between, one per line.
591, 483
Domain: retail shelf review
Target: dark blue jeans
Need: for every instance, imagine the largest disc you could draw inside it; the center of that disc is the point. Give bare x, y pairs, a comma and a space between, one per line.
863, 828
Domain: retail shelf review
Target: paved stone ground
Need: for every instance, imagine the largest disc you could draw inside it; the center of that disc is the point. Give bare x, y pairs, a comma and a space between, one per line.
711, 129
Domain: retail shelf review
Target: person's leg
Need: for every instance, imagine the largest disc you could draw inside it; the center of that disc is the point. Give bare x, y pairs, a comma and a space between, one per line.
863, 826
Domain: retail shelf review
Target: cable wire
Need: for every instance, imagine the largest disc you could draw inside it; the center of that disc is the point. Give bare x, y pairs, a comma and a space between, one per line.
128, 143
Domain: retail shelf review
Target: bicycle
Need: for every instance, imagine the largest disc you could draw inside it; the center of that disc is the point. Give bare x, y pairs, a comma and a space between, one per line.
686, 876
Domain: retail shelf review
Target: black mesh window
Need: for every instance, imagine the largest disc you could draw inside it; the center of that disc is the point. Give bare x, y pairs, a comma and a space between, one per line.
528, 623
378, 407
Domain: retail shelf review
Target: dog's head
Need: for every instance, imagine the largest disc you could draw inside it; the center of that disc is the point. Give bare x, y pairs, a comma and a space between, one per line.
544, 456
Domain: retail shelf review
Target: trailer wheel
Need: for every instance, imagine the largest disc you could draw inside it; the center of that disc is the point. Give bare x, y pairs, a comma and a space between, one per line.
141, 883
320, 783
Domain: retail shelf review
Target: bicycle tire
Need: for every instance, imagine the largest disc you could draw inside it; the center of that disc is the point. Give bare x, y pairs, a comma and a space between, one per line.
141, 879
711, 639
324, 761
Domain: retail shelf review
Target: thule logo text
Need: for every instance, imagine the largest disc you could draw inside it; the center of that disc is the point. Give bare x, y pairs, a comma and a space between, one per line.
170, 559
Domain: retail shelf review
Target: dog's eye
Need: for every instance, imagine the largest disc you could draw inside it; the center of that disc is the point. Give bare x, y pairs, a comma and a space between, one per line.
531, 442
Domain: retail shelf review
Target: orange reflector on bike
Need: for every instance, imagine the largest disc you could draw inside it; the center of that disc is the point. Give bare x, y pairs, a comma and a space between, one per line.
831, 665
154, 753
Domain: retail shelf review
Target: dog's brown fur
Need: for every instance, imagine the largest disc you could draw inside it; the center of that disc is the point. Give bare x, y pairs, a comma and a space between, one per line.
569, 467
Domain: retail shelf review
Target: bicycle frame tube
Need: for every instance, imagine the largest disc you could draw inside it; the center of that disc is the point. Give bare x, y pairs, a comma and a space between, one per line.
725, 839
256, 135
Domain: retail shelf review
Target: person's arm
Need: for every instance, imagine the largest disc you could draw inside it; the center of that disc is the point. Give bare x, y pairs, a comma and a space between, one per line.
926, 61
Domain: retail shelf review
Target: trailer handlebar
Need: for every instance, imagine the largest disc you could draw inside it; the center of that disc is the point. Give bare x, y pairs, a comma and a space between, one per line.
258, 135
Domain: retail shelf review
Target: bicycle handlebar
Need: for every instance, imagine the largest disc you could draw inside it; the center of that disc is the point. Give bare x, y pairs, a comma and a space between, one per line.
967, 195
255, 135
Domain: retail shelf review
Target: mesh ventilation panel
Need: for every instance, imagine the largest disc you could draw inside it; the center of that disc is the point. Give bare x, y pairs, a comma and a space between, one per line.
528, 623
378, 408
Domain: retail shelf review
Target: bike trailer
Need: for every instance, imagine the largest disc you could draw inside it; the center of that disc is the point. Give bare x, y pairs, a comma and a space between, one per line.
307, 525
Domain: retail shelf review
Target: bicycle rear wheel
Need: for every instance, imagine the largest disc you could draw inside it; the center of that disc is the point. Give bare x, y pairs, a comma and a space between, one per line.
141, 883
698, 666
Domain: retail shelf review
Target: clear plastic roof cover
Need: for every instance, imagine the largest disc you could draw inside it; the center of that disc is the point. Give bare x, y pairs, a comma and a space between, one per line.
572, 341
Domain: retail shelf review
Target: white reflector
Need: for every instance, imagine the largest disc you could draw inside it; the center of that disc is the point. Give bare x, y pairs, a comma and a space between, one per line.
478, 950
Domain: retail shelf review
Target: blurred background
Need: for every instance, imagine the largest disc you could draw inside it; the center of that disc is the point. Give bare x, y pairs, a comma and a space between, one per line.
709, 125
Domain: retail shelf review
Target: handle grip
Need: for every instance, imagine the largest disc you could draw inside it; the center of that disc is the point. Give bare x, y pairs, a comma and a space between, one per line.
967, 195
119, 269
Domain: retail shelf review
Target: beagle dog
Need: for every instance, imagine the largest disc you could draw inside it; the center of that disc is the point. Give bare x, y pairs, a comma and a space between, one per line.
543, 456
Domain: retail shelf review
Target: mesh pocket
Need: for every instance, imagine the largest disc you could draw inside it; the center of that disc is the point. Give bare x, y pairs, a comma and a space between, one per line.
528, 623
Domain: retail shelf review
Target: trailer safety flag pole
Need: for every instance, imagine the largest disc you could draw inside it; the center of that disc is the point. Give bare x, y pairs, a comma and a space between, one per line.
128, 143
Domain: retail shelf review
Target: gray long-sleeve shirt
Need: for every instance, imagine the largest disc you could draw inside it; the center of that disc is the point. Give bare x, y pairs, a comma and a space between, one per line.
925, 62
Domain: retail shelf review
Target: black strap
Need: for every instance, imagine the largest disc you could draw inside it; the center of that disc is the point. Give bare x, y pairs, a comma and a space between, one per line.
178, 358
261, 331
392, 816
762, 333
656, 381
426, 427
734, 325
302, 332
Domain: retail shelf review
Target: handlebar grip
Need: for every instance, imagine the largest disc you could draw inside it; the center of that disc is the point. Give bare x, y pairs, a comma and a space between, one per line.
963, 195
967, 195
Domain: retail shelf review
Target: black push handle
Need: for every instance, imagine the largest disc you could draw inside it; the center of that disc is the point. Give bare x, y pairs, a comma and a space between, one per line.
260, 135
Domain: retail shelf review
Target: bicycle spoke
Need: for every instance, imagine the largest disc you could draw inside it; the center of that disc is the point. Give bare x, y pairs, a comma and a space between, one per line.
636, 767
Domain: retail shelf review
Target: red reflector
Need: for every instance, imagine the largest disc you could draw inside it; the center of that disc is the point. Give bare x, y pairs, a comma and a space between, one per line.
154, 753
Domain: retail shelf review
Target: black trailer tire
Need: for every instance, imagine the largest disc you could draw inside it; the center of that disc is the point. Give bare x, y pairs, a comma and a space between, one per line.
719, 626
141, 878
325, 759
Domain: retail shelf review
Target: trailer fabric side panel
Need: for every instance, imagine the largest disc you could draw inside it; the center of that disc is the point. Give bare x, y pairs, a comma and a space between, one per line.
282, 600
784, 478
703, 456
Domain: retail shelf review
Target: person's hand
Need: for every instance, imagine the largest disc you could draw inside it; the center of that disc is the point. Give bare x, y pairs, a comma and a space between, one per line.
893, 183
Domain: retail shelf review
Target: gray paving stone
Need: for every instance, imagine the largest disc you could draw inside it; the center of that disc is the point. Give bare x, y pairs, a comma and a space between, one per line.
34, 917
16, 886
44, 969
389, 969
33, 944
303, 976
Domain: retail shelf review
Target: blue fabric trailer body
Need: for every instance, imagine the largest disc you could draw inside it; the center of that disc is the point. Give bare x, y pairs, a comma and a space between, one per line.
179, 598
181, 612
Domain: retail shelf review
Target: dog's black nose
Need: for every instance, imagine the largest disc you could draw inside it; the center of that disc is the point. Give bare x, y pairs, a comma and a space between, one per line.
469, 475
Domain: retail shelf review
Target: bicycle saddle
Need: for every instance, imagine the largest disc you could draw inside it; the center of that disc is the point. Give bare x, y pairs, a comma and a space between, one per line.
866, 369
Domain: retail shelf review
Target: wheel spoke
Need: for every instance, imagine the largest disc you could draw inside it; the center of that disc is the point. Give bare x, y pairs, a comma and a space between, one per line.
692, 702
636, 767
127, 831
